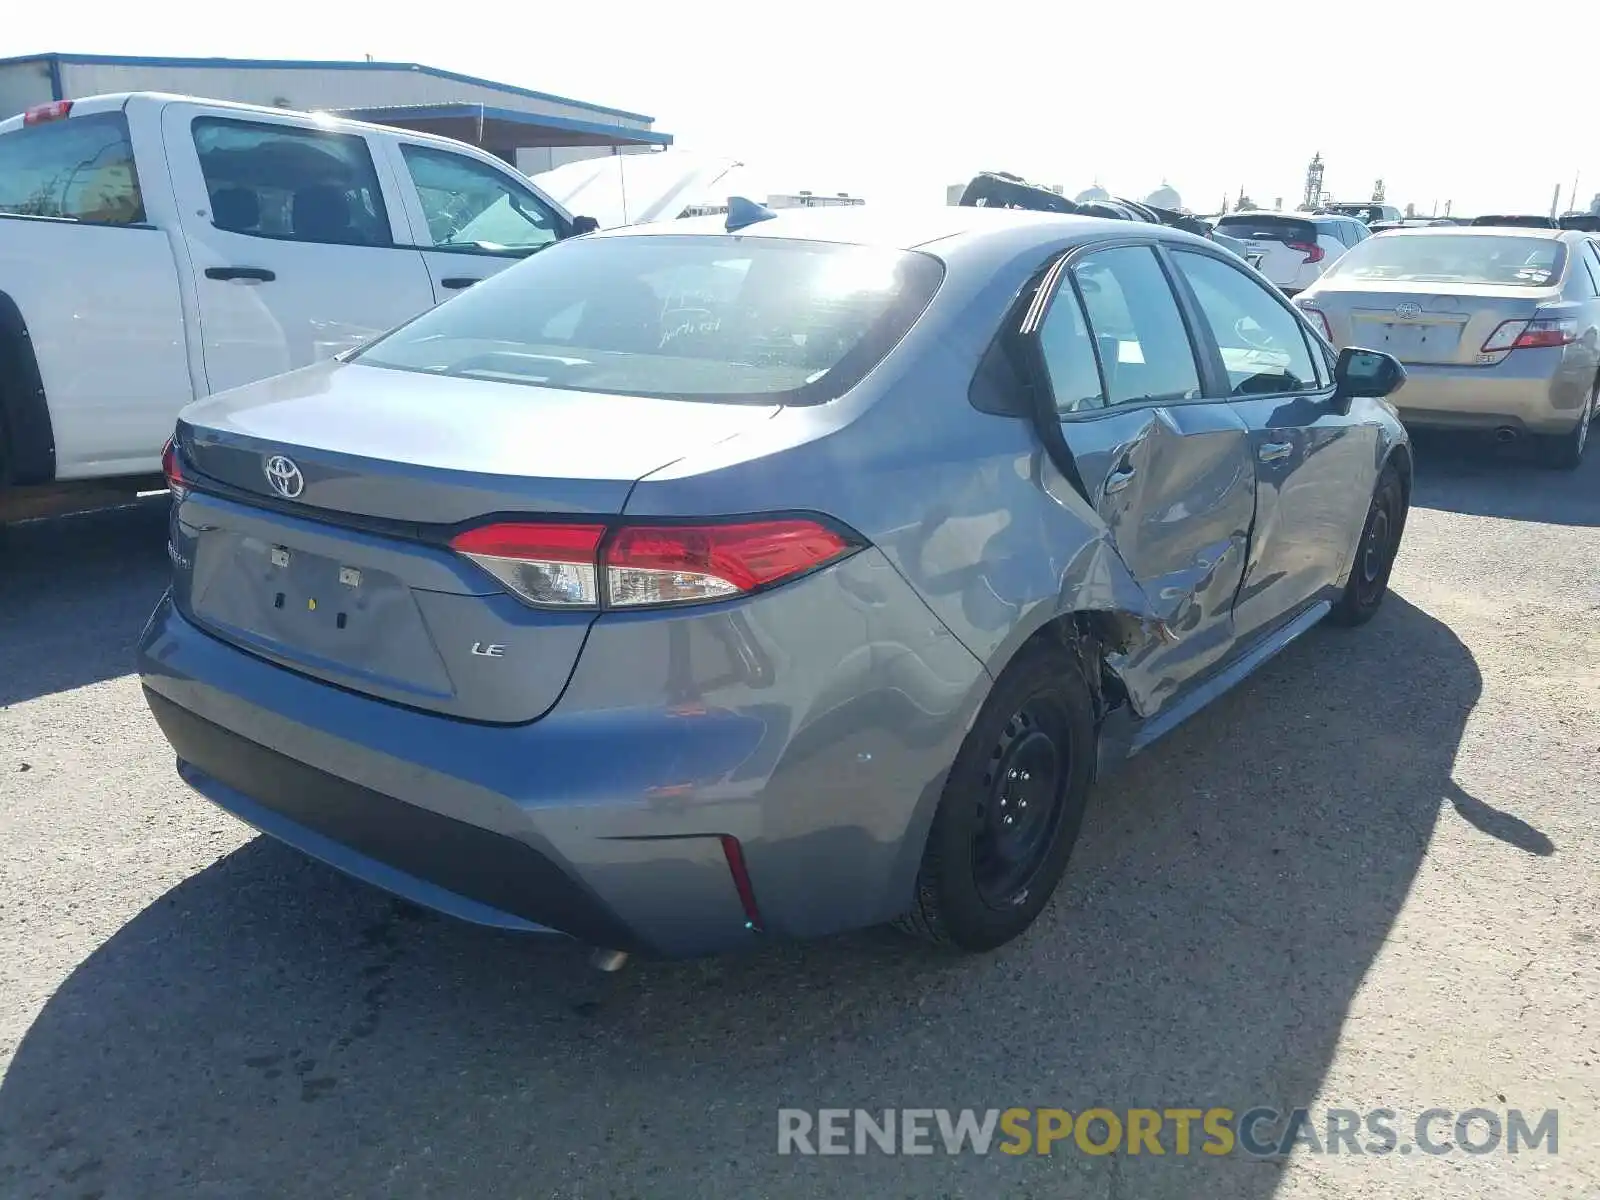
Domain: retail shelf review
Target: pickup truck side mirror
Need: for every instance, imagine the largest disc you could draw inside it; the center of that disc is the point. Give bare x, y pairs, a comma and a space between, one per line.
581, 225
1367, 373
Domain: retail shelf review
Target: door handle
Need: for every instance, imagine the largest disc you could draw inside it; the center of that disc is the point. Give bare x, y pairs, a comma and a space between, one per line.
1272, 451
456, 282
1119, 479
252, 274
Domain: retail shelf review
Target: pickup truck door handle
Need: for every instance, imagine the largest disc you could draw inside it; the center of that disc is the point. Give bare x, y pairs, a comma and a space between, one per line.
1272, 451
456, 282
1119, 479
252, 274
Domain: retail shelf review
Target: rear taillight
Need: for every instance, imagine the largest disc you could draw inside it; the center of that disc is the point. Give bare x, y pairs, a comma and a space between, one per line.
643, 565
1312, 251
1318, 319
39, 114
734, 853
675, 564
548, 565
1536, 334
173, 470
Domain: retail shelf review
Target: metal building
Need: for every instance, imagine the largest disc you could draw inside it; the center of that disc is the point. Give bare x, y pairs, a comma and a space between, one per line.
534, 131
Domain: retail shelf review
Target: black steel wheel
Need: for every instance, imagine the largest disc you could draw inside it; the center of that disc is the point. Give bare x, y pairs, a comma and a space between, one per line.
1011, 806
1375, 553
1021, 802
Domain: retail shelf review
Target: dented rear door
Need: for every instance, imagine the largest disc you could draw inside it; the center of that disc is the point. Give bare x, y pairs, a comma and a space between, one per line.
1167, 471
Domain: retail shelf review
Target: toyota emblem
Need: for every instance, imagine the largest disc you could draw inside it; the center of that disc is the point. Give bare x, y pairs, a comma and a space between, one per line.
284, 477
1408, 310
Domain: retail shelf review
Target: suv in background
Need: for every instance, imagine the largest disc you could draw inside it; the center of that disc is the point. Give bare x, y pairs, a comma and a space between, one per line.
1516, 221
1365, 211
1292, 249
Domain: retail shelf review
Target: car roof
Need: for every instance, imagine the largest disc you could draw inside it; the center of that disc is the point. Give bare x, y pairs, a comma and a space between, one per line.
84, 106
1516, 231
898, 227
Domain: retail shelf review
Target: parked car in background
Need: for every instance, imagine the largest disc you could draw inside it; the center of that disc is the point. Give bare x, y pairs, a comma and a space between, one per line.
1365, 211
158, 248
1515, 221
684, 582
1292, 249
1499, 327
1413, 223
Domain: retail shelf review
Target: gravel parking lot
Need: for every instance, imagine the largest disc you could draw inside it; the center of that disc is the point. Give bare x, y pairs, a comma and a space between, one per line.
1368, 878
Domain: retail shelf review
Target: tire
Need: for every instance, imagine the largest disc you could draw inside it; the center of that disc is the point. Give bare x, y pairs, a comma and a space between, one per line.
1564, 451
5, 478
990, 867
1375, 552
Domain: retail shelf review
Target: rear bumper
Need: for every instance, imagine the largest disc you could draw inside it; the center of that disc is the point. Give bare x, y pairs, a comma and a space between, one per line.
1542, 393
604, 820
438, 861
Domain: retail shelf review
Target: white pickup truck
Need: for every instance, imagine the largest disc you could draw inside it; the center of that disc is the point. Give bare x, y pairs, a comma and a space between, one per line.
155, 249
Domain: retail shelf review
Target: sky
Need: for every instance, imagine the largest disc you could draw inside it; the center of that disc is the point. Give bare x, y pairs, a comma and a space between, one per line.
894, 102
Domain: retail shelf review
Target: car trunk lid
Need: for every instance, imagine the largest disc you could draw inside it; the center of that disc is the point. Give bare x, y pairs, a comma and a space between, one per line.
1420, 325
315, 532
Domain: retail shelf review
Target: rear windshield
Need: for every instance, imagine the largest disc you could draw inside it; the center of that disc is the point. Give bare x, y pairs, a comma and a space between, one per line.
1456, 258
1271, 228
676, 316
1522, 222
1361, 212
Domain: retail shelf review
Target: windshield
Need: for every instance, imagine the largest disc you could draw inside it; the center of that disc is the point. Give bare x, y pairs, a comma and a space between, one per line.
1455, 258
736, 319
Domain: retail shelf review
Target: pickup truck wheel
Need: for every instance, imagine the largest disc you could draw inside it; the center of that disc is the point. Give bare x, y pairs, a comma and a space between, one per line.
1380, 542
1011, 807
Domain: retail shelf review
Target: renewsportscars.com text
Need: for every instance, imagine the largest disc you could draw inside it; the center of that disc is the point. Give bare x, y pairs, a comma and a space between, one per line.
1259, 1132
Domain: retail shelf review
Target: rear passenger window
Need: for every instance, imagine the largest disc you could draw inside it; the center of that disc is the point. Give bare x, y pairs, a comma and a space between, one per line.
304, 185
1143, 347
1591, 262
1069, 355
1264, 349
79, 169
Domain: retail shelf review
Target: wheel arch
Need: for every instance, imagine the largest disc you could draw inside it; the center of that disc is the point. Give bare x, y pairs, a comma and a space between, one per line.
1404, 463
1091, 636
24, 412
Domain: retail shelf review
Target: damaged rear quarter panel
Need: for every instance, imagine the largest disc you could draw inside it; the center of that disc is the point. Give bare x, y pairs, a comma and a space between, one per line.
966, 505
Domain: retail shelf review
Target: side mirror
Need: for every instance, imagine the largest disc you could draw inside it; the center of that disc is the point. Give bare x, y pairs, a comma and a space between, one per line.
1367, 373
582, 225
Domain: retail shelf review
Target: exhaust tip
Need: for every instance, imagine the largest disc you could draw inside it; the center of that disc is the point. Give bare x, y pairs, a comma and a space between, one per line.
1506, 434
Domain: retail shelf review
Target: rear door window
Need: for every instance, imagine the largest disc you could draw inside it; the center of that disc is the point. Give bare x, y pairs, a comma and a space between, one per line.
1263, 345
1591, 260
77, 169
282, 181
1138, 331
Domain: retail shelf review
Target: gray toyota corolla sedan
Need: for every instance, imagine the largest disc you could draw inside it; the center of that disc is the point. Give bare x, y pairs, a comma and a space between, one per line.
688, 584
